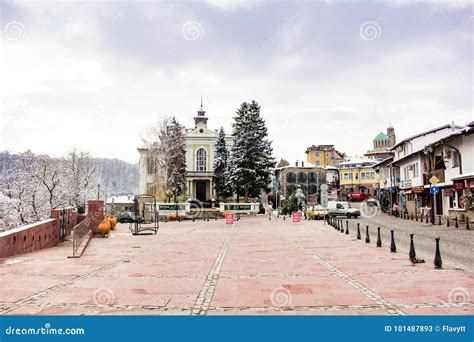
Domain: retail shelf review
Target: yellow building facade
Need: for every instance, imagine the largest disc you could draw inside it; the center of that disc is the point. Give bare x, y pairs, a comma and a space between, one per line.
359, 176
324, 155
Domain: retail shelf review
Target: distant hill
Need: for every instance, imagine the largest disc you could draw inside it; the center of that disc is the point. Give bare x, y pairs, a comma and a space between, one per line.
115, 176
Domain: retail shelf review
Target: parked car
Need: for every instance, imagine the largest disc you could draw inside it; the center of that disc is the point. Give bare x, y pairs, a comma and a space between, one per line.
316, 212
340, 208
358, 196
129, 217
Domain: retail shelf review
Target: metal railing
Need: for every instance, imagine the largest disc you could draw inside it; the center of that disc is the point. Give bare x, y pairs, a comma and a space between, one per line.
79, 233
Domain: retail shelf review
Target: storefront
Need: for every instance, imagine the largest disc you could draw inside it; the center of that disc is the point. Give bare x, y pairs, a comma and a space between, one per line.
460, 197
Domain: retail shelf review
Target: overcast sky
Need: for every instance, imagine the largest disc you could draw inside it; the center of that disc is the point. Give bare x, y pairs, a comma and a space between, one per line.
95, 75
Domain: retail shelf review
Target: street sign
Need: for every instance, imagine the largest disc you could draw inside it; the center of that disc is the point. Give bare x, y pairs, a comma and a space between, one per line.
434, 190
229, 219
434, 180
296, 217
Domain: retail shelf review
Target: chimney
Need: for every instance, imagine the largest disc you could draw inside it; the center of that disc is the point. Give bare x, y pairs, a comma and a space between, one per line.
296, 164
302, 163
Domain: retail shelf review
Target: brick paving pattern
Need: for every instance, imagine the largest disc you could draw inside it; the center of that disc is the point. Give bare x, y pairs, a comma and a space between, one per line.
257, 267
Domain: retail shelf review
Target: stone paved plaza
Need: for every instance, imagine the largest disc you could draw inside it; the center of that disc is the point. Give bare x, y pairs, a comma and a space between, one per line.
255, 267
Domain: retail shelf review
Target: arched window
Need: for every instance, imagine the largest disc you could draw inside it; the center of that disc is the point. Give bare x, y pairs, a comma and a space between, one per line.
291, 177
312, 177
302, 177
201, 160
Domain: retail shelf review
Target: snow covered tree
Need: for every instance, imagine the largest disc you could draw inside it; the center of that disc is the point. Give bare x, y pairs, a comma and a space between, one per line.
167, 158
251, 160
283, 162
221, 168
79, 172
176, 159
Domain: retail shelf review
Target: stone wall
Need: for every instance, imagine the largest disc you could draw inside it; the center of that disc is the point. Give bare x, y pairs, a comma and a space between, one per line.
46, 233
29, 238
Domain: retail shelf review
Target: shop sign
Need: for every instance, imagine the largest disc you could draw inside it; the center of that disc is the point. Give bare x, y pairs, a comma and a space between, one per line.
458, 185
418, 189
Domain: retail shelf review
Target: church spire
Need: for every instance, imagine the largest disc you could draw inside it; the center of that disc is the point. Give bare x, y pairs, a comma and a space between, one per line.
200, 119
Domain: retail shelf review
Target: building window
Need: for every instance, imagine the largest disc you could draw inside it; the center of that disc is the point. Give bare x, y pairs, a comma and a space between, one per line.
151, 166
415, 170
316, 153
201, 160
291, 177
318, 163
151, 188
362, 175
302, 177
455, 159
312, 177
347, 176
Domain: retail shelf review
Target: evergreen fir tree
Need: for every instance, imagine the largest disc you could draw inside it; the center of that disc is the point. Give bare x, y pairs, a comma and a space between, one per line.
251, 160
221, 173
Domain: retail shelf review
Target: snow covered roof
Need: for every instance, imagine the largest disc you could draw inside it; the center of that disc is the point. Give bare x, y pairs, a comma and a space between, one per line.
358, 161
121, 199
465, 175
425, 133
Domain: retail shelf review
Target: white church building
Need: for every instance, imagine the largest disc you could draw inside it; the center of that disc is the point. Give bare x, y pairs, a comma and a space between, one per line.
200, 149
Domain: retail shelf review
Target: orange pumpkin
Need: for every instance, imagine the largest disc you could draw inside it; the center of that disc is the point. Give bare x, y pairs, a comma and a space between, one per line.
104, 227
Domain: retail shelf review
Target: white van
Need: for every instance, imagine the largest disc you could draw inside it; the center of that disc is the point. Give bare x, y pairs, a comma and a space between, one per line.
340, 208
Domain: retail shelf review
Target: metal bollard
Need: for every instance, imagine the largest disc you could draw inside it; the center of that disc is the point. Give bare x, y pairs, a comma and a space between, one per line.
412, 216
421, 218
367, 237
438, 263
358, 231
393, 246
347, 227
467, 223
342, 227
412, 253
447, 221
439, 220
416, 217
456, 224
379, 238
